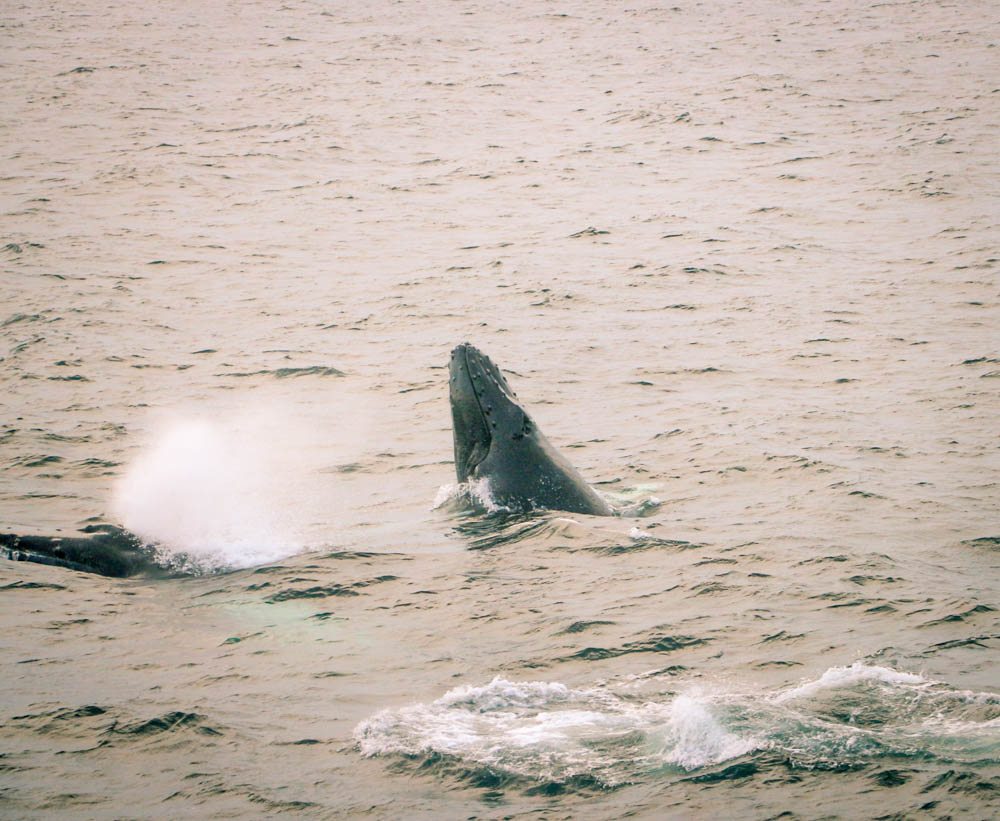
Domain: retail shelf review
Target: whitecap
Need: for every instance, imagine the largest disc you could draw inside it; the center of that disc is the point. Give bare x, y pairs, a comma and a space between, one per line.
847, 676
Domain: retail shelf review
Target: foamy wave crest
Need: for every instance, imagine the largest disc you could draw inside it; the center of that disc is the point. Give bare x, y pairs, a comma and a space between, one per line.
847, 676
546, 731
209, 497
550, 732
501, 694
854, 713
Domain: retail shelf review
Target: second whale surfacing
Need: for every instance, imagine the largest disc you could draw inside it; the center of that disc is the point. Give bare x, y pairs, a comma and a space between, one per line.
497, 441
106, 550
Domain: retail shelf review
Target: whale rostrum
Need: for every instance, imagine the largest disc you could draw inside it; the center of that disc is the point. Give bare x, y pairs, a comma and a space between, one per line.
497, 441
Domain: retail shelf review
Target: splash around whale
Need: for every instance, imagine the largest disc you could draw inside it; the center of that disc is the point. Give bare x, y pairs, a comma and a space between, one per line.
498, 443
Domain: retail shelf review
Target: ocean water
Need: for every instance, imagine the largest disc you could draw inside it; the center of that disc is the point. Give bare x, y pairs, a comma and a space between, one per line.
737, 259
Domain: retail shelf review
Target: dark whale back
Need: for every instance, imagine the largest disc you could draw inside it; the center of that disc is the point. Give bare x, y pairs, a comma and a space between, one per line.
110, 552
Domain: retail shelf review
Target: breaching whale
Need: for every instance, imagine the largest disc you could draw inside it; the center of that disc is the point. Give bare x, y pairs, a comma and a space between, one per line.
497, 441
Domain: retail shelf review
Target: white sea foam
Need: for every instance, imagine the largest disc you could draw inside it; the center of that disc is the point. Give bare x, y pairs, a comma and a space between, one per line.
475, 491
502, 694
445, 494
847, 676
693, 736
481, 493
547, 730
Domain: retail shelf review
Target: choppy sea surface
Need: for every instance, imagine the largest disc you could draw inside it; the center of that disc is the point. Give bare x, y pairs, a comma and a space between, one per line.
738, 260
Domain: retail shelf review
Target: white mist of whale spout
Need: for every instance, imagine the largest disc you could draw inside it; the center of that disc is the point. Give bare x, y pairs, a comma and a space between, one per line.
215, 496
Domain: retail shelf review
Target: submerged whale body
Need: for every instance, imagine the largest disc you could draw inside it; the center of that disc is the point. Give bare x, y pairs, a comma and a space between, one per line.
108, 550
497, 441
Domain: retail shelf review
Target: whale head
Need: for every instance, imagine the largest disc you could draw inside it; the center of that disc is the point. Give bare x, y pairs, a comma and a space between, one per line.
497, 441
484, 410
